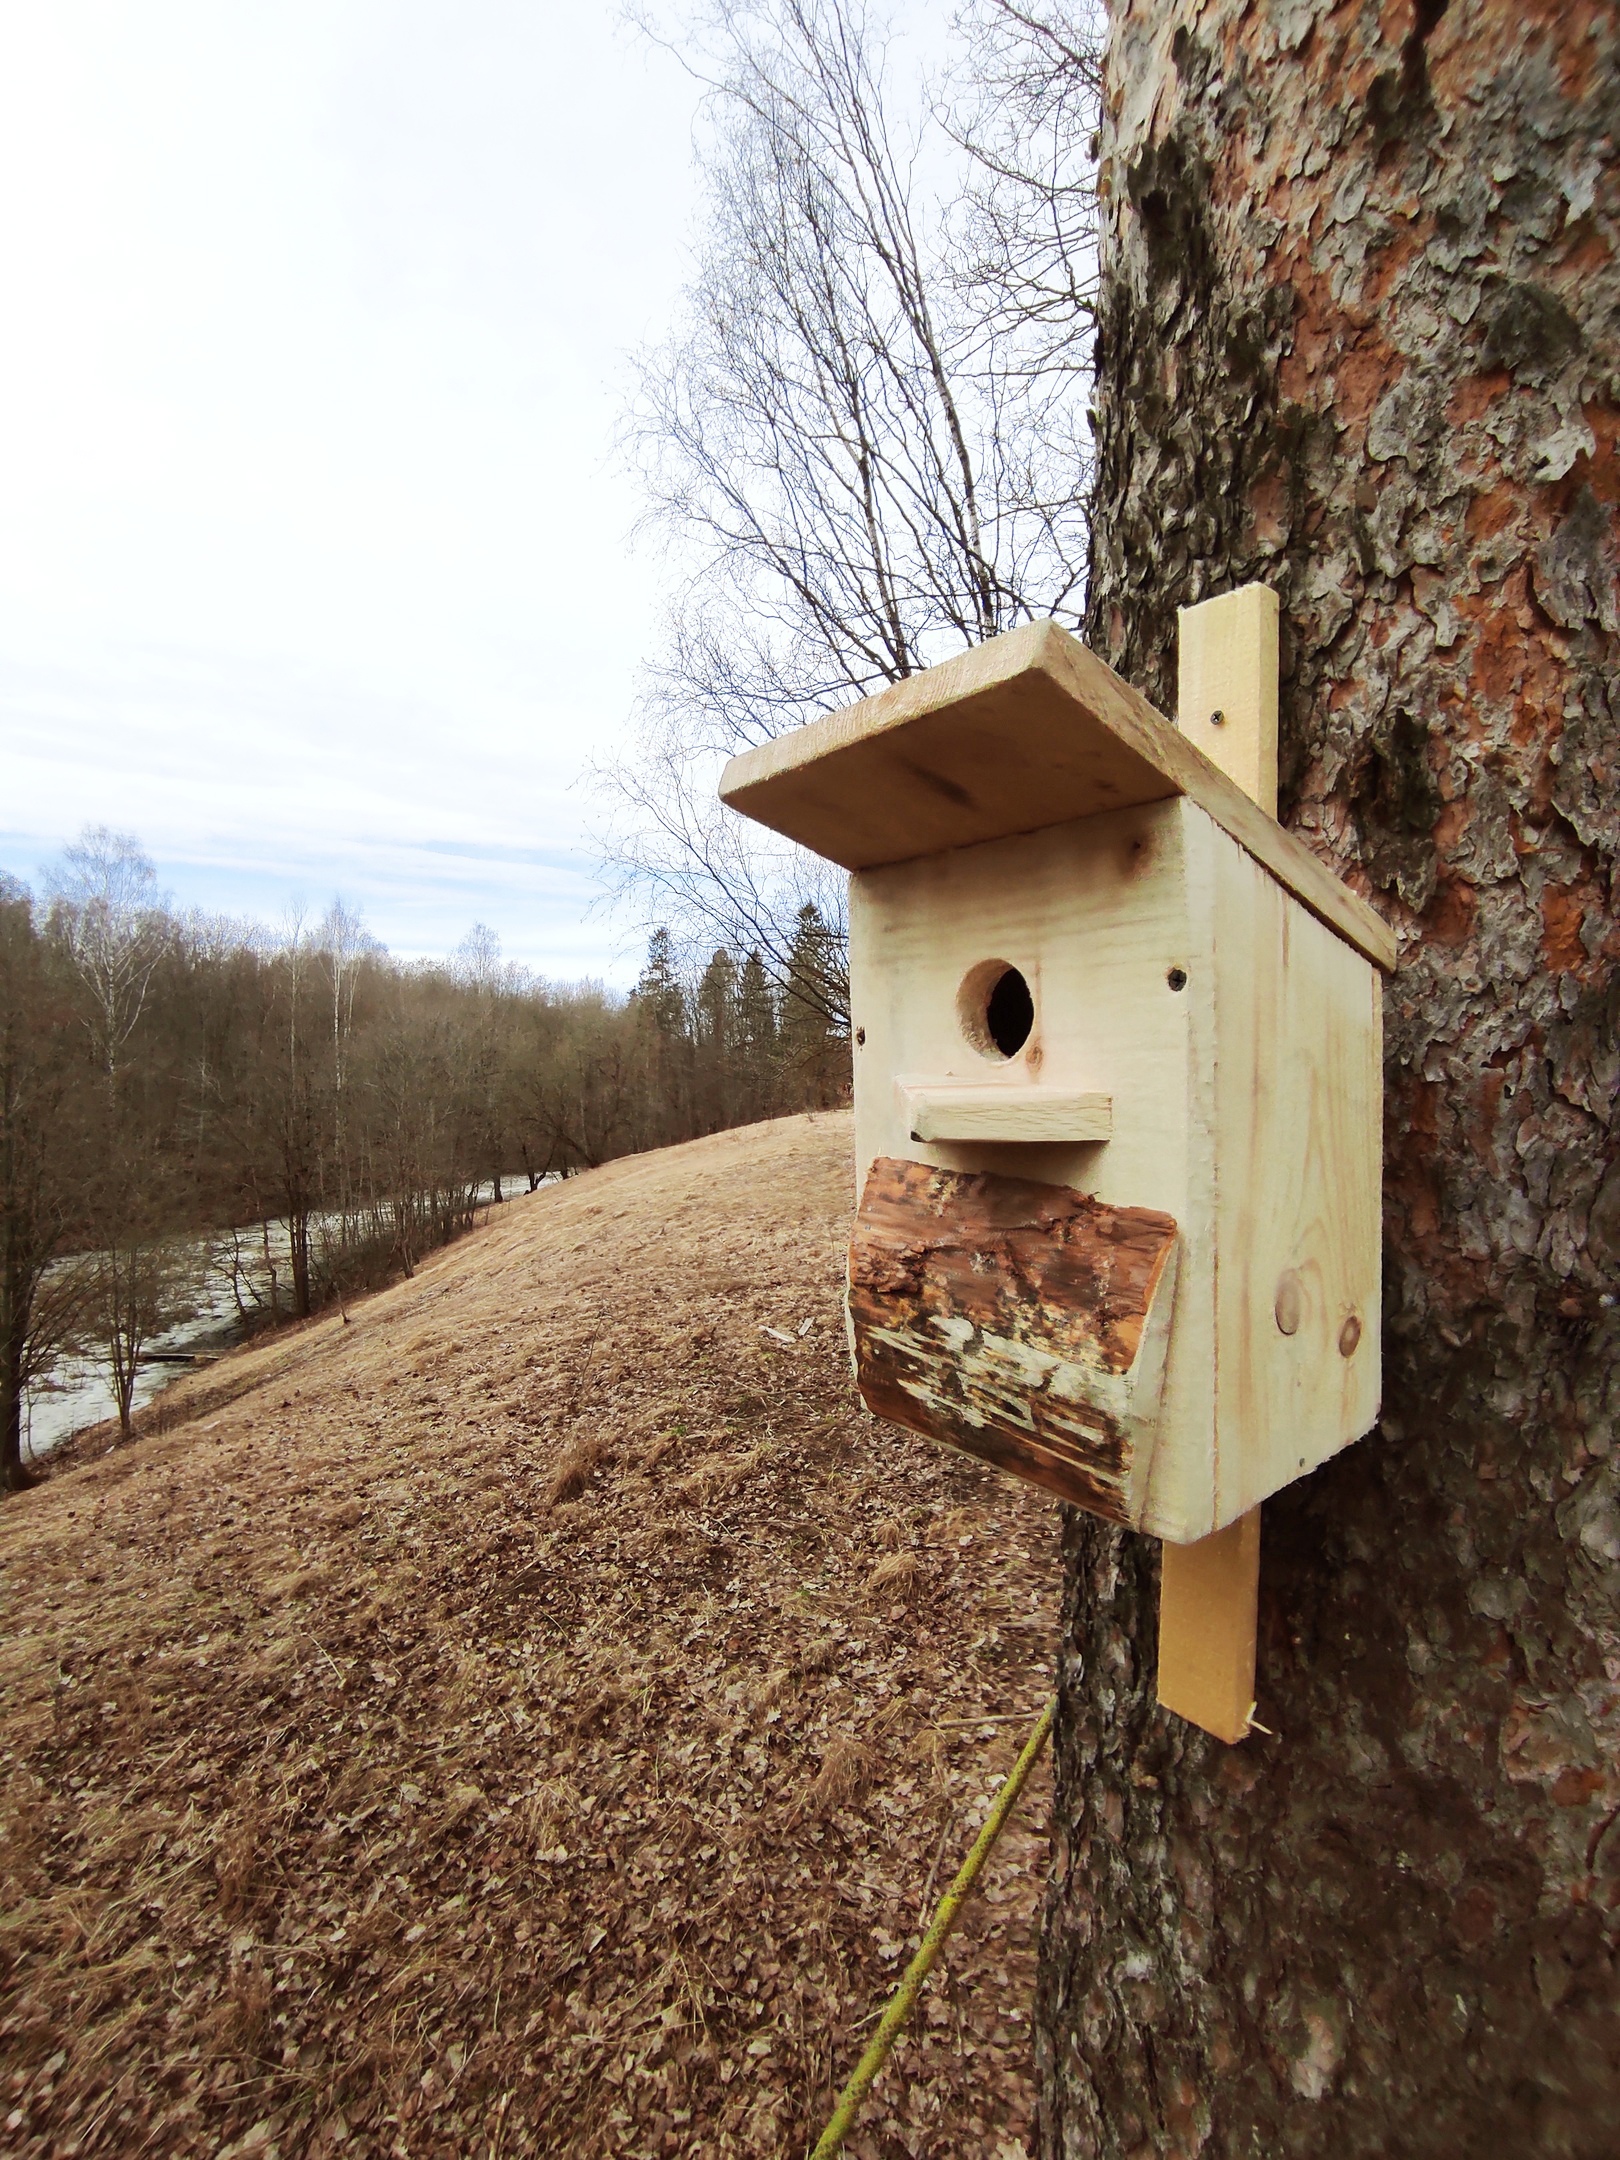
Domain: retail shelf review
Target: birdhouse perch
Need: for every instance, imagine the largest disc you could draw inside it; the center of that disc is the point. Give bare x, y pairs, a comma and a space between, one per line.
1117, 1080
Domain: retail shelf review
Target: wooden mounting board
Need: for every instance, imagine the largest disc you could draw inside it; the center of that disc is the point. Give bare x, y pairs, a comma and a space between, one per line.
1209, 1596
1027, 731
1209, 1591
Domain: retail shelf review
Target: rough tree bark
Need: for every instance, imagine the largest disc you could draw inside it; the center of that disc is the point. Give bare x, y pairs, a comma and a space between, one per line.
1360, 289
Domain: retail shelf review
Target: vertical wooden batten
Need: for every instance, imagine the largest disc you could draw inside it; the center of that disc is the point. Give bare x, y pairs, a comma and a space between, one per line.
1209, 1592
1226, 688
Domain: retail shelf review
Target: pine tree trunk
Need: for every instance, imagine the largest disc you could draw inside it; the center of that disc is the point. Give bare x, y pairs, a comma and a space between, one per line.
1358, 339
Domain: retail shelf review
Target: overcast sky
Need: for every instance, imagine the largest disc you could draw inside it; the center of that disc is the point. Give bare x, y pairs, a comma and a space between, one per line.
314, 563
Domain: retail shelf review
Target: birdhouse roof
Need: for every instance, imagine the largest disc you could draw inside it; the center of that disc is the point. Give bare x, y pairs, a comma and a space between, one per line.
1028, 730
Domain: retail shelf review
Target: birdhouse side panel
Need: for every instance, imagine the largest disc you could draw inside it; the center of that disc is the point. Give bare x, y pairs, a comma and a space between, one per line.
1298, 1121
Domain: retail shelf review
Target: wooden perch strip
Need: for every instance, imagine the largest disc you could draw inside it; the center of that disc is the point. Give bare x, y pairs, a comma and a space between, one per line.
1044, 1114
1021, 1321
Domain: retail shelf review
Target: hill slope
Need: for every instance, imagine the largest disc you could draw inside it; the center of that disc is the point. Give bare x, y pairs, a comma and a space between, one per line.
527, 1719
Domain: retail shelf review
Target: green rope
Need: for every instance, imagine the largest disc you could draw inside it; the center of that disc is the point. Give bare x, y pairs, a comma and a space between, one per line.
877, 2054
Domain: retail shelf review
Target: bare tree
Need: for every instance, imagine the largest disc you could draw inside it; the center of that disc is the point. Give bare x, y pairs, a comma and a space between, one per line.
583, 1094
136, 1285
110, 915
41, 1156
295, 1082
1026, 110
488, 981
702, 872
344, 944
852, 461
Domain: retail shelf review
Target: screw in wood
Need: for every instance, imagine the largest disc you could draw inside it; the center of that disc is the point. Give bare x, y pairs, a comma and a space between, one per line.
1217, 718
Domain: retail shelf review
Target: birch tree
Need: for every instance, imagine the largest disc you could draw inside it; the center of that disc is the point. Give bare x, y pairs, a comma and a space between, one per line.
108, 911
857, 467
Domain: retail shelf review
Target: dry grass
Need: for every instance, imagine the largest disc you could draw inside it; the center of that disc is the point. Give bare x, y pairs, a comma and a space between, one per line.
525, 1720
897, 1578
572, 1470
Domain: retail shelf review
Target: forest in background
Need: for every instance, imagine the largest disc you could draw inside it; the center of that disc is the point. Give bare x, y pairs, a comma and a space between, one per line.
166, 1076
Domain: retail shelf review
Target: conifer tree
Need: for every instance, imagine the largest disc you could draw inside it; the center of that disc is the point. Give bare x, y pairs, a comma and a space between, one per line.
756, 1035
815, 1047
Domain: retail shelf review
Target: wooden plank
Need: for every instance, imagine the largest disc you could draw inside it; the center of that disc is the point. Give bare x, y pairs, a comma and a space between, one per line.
1033, 1115
1227, 683
1028, 731
1297, 1124
1208, 1603
1094, 685
1023, 1322
1226, 703
1298, 1121
988, 743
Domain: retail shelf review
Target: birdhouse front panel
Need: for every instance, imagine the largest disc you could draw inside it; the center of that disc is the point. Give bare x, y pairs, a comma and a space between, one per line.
1025, 1322
1129, 1008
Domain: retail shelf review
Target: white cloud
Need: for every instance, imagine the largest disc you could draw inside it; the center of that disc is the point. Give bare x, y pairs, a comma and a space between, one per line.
313, 562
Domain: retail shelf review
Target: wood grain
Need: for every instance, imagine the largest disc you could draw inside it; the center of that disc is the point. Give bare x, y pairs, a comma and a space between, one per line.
1029, 1114
1025, 732
1024, 1322
1209, 1597
1209, 1591
1245, 1105
1226, 673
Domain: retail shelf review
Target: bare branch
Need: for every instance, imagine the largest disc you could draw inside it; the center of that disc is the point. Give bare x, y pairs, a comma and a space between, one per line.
848, 437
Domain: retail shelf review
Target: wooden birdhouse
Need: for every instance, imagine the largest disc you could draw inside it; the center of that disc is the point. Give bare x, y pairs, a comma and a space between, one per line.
1117, 1073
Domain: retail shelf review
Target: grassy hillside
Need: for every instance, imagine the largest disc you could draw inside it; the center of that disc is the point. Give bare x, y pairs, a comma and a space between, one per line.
527, 1719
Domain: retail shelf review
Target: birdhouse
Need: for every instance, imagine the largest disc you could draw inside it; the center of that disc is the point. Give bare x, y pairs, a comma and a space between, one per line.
1117, 1084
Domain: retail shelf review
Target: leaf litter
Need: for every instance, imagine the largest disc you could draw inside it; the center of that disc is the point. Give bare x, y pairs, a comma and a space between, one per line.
532, 1718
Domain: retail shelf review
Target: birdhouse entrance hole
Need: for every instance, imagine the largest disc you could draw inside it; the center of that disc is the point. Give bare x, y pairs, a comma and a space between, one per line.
996, 1009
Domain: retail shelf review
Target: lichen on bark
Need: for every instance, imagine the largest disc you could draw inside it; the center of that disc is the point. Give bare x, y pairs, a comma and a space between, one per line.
1357, 339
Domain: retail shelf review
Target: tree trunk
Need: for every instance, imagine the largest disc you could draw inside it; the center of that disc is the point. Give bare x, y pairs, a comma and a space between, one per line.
1359, 290
124, 1338
298, 1253
14, 1475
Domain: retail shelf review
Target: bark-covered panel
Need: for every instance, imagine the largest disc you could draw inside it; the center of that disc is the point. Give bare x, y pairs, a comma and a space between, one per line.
1006, 1316
1358, 339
